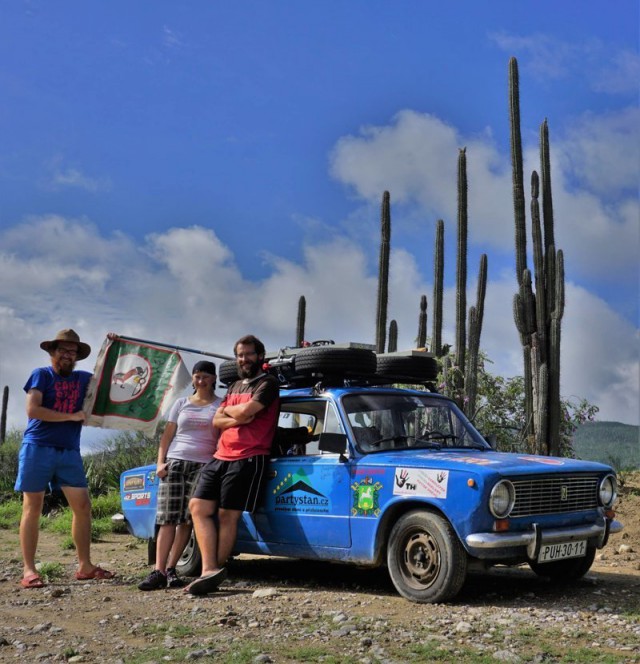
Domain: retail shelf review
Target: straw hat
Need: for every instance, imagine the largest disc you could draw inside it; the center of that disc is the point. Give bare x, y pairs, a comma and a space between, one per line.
69, 336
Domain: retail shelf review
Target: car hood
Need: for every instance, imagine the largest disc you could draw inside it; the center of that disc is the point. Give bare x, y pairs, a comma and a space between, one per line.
483, 462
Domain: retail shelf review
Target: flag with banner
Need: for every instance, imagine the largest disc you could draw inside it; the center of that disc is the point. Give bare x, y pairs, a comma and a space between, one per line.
133, 384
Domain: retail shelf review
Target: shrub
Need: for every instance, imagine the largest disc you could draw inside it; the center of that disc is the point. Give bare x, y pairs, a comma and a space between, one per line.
125, 450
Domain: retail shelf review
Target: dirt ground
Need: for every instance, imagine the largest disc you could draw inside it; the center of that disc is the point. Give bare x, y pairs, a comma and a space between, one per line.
275, 610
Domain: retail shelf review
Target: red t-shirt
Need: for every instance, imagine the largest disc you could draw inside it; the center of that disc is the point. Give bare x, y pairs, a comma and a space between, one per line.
254, 438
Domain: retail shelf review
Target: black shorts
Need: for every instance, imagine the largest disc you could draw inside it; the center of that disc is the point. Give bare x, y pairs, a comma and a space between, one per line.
234, 485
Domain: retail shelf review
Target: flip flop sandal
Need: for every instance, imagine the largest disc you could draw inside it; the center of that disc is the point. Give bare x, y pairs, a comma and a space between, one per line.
32, 581
207, 584
96, 573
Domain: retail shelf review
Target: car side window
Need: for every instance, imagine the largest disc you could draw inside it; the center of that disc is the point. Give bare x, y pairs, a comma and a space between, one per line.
315, 415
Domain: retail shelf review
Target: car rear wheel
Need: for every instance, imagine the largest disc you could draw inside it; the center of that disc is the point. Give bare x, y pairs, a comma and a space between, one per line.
426, 561
416, 368
329, 361
563, 571
190, 563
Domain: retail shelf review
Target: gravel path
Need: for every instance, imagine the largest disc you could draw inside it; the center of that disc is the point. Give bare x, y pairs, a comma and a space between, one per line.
275, 610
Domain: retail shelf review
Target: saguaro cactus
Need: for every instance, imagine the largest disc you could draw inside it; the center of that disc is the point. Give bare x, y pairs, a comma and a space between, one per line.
476, 315
421, 341
461, 270
383, 273
537, 314
393, 336
3, 417
438, 290
517, 170
302, 313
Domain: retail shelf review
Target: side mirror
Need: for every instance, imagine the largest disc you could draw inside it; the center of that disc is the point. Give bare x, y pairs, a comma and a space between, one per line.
335, 443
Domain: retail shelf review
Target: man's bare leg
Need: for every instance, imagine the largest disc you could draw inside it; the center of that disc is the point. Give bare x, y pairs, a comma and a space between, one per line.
80, 504
228, 524
202, 512
30, 529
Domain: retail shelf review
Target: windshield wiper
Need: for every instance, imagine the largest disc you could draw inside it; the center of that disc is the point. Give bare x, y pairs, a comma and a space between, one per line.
389, 439
430, 444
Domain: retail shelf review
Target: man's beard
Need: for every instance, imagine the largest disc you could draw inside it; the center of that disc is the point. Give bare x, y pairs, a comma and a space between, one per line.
65, 370
249, 371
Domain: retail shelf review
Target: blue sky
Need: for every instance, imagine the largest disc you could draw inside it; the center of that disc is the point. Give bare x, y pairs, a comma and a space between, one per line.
183, 172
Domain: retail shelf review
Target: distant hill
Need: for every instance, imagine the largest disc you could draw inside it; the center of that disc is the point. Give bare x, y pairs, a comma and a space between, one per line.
609, 442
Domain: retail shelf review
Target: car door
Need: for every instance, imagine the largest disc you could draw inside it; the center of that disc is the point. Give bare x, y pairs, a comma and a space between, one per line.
306, 503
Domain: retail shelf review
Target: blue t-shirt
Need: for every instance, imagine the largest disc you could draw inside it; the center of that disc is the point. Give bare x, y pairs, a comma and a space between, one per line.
63, 394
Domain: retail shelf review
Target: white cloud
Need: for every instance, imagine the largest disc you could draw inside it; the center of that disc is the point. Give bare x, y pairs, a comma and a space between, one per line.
415, 158
68, 177
604, 67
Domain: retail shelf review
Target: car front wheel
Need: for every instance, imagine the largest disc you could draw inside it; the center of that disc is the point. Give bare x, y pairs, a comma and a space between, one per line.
426, 561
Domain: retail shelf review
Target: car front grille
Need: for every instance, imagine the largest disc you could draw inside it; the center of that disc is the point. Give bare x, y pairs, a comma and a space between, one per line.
557, 494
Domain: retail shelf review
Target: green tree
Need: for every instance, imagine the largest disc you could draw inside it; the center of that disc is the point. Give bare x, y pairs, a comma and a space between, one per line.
500, 412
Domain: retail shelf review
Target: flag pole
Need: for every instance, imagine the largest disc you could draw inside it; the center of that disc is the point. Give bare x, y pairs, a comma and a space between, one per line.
187, 350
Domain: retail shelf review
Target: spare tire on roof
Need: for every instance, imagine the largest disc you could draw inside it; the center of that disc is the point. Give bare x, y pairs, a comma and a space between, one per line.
331, 361
228, 372
408, 367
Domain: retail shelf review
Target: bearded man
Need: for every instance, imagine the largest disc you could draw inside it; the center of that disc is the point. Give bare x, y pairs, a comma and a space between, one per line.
50, 453
232, 481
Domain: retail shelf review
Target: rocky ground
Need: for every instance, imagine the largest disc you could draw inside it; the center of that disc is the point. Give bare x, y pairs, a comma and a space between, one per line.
272, 610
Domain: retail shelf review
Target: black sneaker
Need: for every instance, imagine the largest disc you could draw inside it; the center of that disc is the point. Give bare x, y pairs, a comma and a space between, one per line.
173, 579
154, 581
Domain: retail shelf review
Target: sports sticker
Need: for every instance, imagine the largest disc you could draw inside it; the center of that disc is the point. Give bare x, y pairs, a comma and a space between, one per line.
139, 498
420, 482
365, 497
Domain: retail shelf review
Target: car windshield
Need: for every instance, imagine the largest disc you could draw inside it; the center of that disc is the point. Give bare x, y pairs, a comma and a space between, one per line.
387, 421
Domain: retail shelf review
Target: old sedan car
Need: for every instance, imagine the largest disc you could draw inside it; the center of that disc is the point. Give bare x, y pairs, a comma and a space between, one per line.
375, 475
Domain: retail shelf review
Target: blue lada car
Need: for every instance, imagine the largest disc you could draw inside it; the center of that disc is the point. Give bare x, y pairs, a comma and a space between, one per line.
373, 475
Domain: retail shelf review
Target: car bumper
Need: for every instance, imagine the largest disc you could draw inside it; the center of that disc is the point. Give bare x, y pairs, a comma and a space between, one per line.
533, 539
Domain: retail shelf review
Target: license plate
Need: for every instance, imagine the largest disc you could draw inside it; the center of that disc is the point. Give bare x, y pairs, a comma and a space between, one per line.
561, 551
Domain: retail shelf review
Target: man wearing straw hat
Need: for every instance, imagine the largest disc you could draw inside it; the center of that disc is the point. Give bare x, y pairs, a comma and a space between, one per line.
50, 453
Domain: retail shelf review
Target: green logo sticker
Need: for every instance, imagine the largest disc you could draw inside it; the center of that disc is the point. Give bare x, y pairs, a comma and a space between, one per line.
365, 498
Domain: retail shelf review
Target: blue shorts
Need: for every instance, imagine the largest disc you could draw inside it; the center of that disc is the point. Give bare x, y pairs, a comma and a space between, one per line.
40, 467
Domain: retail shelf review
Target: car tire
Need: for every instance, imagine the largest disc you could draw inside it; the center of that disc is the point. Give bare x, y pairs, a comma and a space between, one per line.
425, 559
563, 571
328, 361
409, 368
228, 372
190, 563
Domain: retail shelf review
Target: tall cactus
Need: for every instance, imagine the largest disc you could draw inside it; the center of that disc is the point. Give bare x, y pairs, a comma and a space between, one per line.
545, 170
421, 341
537, 314
476, 315
393, 336
438, 290
461, 269
517, 170
383, 273
302, 315
3, 417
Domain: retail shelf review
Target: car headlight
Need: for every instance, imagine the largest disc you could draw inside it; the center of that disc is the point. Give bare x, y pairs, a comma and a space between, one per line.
608, 491
502, 498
